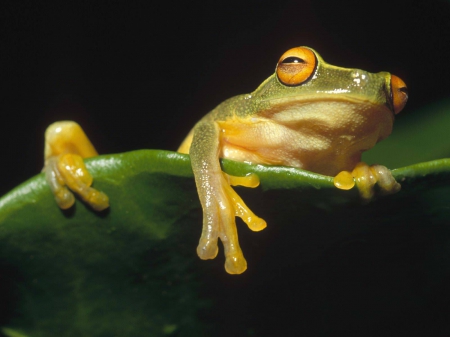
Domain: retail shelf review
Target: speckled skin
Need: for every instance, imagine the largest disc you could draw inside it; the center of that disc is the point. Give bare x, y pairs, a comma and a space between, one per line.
346, 111
322, 125
309, 115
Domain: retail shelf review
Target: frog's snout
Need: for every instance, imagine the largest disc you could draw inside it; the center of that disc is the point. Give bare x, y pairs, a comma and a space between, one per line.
399, 93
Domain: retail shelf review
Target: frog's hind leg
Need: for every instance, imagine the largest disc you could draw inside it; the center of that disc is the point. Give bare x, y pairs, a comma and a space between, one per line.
66, 145
220, 202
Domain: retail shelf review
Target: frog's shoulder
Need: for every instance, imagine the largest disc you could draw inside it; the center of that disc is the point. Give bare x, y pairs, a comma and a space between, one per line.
240, 106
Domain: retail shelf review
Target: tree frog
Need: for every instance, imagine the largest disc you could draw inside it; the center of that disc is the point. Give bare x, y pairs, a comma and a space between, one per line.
309, 114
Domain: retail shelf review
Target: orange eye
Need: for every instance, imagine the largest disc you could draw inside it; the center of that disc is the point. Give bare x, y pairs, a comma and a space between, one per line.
399, 93
296, 66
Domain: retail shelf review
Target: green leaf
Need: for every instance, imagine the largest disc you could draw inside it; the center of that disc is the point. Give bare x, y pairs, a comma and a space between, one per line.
83, 273
132, 270
417, 137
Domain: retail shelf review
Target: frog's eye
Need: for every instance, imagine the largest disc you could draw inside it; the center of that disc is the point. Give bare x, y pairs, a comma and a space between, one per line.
399, 93
296, 66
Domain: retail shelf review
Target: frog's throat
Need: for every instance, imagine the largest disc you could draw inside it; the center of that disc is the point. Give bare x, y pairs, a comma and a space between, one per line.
302, 100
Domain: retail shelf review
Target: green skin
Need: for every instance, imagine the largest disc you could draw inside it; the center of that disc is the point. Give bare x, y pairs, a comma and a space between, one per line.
322, 125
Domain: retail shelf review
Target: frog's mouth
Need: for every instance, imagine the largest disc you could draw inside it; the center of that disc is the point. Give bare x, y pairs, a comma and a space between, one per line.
363, 88
338, 97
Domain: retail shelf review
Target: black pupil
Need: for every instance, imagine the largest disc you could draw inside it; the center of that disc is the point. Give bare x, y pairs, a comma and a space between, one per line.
293, 59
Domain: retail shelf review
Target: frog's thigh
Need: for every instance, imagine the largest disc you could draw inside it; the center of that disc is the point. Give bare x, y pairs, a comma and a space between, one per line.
365, 177
66, 145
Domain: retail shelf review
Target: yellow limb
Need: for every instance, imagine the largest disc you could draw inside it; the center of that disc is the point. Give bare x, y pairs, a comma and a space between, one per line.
68, 171
66, 145
365, 177
385, 180
228, 205
344, 180
64, 198
365, 181
235, 262
250, 180
67, 137
241, 210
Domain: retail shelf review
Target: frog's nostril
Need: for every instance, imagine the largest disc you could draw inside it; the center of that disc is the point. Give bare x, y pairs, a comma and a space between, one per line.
399, 93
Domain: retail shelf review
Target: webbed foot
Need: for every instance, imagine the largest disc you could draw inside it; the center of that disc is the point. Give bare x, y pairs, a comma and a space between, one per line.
219, 222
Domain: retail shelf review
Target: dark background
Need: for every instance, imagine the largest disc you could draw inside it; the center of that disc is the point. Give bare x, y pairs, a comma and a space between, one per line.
138, 75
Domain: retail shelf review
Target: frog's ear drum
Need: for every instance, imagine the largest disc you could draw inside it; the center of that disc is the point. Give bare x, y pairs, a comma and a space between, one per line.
296, 66
399, 93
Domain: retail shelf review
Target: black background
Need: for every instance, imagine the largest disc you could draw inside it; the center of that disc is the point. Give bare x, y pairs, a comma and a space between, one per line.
139, 74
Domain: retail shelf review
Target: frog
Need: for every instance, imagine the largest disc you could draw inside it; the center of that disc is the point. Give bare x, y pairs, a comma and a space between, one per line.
308, 114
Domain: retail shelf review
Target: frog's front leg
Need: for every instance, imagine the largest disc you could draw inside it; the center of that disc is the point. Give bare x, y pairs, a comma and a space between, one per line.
220, 202
66, 145
365, 177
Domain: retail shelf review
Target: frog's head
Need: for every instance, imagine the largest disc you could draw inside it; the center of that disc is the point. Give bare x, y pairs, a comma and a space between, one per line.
306, 88
302, 75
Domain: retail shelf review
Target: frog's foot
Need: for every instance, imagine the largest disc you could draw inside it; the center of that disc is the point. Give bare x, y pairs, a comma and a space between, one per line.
219, 222
67, 171
365, 177
66, 145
